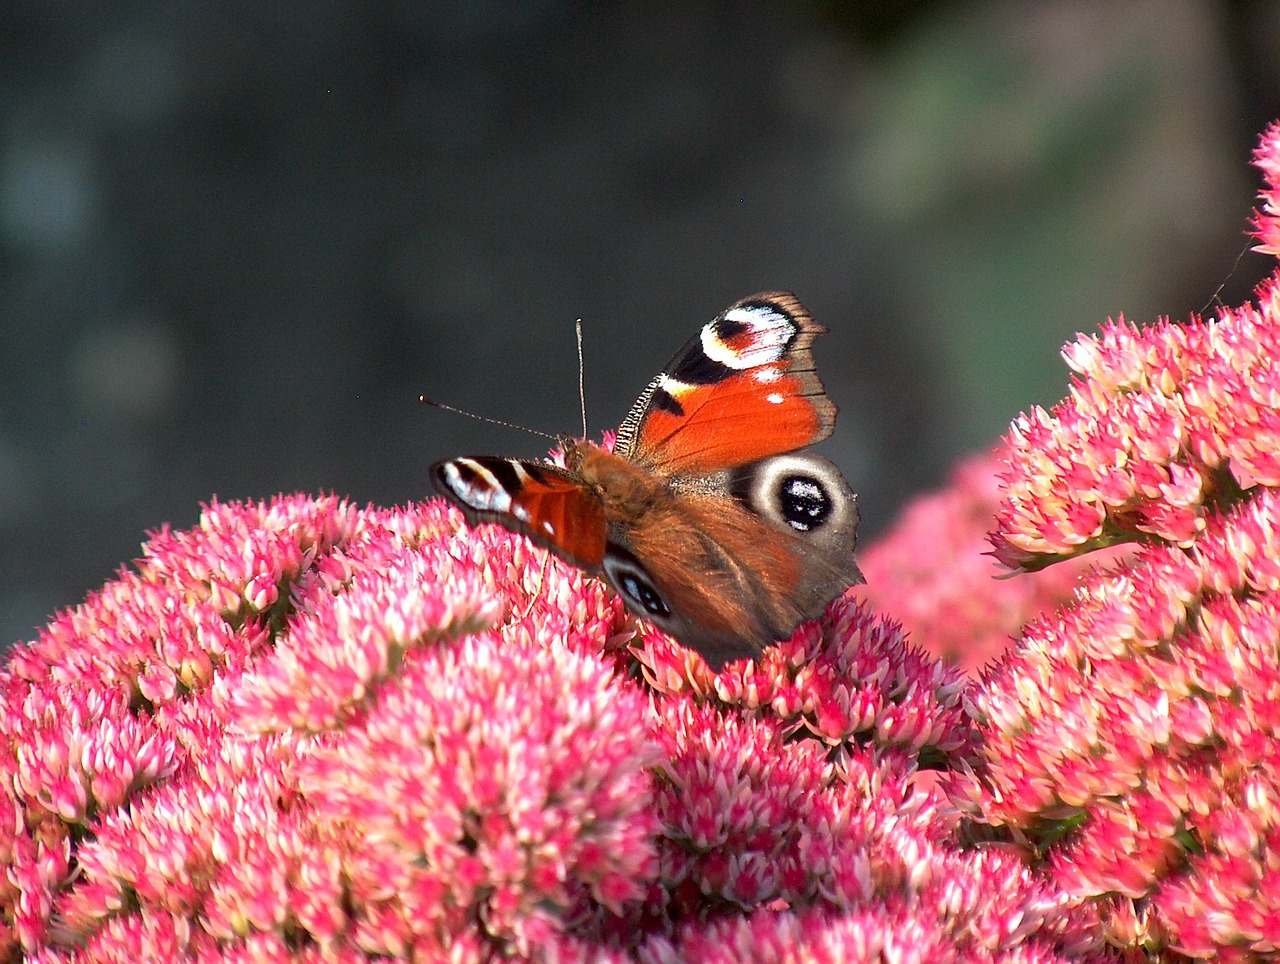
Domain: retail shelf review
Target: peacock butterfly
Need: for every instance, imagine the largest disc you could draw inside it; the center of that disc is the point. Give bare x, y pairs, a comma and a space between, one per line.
706, 518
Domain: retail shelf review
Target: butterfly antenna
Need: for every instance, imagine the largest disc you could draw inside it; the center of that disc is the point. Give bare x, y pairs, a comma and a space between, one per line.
582, 391
484, 418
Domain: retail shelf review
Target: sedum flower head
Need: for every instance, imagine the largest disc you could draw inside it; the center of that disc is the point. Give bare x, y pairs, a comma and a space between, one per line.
933, 573
1129, 743
262, 738
303, 730
1131, 740
1165, 425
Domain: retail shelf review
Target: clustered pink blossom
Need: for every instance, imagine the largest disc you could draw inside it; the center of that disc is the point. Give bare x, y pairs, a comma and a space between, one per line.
306, 731
932, 572
1130, 744
1164, 426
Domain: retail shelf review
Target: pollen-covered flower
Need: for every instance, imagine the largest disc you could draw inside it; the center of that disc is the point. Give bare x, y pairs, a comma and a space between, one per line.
502, 784
1165, 425
327, 664
852, 678
771, 844
1266, 220
981, 906
1133, 738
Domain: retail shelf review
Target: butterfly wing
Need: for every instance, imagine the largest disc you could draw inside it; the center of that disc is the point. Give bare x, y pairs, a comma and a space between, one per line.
549, 505
742, 389
729, 572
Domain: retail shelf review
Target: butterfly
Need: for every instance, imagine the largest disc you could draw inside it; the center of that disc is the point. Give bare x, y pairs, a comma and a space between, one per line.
707, 518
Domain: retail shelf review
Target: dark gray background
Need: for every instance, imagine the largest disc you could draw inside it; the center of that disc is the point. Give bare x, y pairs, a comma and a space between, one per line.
237, 240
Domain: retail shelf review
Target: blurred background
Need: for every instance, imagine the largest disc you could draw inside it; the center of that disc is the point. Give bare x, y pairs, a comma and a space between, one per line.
238, 240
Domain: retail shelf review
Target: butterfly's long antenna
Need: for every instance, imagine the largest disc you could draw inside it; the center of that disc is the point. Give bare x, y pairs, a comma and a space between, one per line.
582, 392
484, 418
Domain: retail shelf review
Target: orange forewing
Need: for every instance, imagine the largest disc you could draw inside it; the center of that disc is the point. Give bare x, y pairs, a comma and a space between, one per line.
745, 388
567, 518
730, 423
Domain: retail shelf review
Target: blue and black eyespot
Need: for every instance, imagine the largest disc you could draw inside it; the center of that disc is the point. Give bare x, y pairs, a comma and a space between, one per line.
631, 580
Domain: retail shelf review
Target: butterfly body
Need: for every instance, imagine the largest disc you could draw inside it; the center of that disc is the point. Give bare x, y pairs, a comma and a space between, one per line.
706, 518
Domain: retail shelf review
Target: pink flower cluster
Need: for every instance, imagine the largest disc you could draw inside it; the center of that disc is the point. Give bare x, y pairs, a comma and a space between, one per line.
1130, 744
932, 572
1164, 426
1132, 740
307, 731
